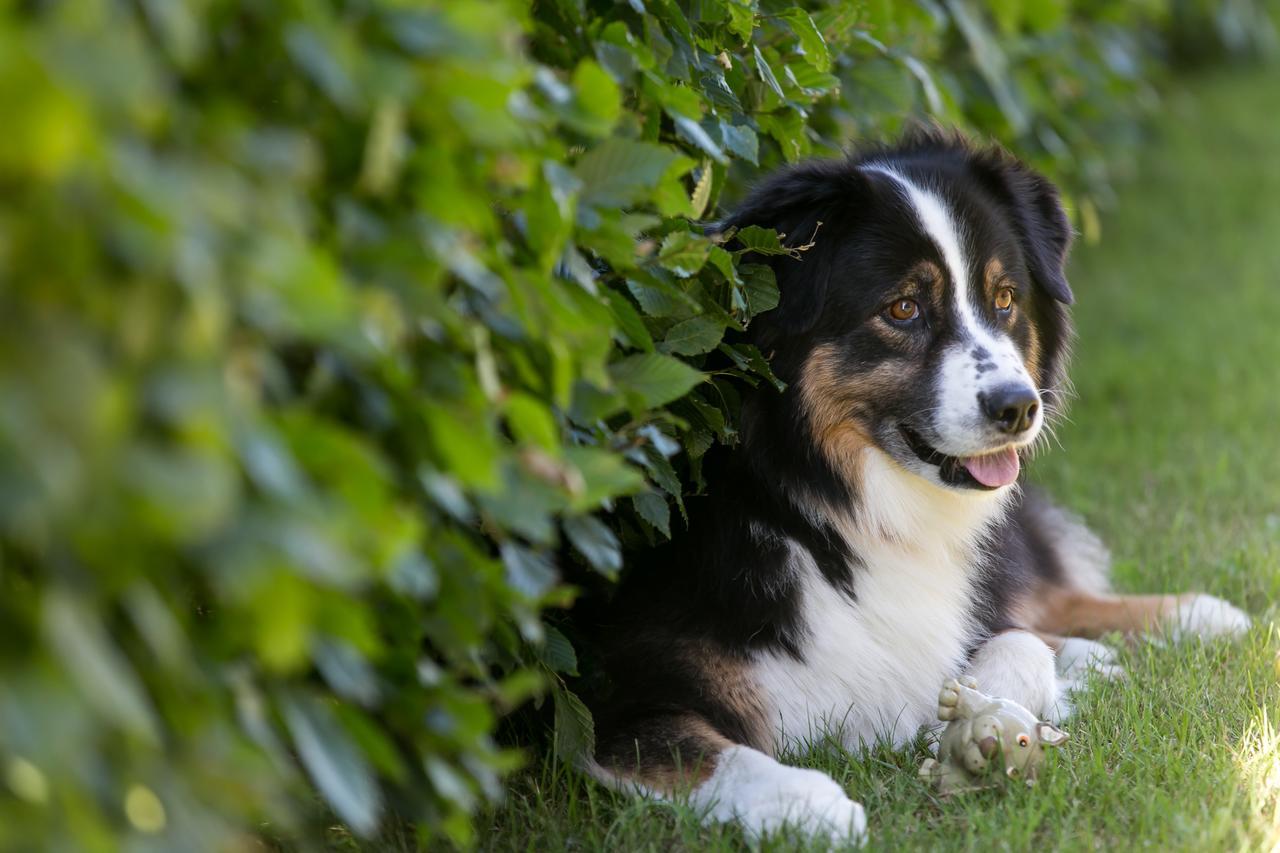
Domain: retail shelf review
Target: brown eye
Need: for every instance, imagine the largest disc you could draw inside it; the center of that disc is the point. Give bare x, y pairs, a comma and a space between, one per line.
903, 310
1023, 740
1004, 298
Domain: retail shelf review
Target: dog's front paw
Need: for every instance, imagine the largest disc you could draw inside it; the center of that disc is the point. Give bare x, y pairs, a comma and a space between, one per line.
1018, 665
763, 796
1206, 616
1078, 658
823, 811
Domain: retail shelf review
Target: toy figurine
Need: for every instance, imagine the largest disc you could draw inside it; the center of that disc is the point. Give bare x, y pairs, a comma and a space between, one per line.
984, 732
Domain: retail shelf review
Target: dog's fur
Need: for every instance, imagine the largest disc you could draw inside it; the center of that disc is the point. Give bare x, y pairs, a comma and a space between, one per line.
847, 559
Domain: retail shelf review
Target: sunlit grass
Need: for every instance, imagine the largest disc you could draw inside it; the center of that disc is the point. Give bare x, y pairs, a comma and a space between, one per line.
1172, 452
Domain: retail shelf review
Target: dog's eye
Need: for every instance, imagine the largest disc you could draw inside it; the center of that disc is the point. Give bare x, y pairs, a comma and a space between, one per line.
1023, 740
1004, 299
903, 310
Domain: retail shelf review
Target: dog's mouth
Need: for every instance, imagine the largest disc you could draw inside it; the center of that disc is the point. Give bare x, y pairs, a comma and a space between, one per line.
987, 471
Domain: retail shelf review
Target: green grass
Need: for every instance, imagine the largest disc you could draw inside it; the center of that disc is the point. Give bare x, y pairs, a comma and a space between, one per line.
1172, 453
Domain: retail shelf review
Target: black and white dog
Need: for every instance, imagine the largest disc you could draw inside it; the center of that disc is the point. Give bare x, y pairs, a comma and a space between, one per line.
867, 539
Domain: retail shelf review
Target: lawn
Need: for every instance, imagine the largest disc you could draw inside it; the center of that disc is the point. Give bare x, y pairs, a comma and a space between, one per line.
1172, 452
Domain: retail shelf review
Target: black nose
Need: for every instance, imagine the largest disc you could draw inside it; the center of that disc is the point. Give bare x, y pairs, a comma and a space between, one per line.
1012, 407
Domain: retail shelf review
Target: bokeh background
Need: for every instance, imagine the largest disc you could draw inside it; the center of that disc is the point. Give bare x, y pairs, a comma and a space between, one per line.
338, 336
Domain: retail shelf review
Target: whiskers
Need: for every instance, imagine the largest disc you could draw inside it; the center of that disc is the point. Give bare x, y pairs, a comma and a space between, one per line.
1055, 401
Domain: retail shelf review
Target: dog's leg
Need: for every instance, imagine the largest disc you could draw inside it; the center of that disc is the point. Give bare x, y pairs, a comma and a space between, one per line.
1073, 597
1076, 657
1074, 612
682, 755
1018, 665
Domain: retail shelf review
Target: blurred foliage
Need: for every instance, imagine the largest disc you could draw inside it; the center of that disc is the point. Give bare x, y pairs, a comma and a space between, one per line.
328, 328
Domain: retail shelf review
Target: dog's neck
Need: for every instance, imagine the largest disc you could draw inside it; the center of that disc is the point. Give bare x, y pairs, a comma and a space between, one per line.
871, 504
894, 508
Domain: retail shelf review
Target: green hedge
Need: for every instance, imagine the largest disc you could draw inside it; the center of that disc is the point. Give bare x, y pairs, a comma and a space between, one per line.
327, 327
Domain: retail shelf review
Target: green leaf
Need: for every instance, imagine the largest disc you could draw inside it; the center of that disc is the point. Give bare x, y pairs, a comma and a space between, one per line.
605, 475
766, 73
449, 783
712, 416
742, 19
524, 503
575, 734
334, 763
468, 448
658, 298
693, 336
787, 129
684, 252
1045, 16
531, 422
812, 44
720, 93
701, 191
762, 241
654, 509
723, 261
761, 286
621, 171
106, 680
810, 80
748, 357
990, 58
557, 652
654, 379
696, 443
741, 142
346, 671
628, 320
593, 539
677, 100
528, 571
662, 472
596, 99
693, 132
316, 54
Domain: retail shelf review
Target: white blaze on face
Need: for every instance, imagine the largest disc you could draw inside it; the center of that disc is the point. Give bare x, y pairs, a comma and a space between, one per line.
982, 359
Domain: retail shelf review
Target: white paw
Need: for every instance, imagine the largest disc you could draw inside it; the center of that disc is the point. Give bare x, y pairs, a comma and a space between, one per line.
762, 795
1062, 709
1018, 665
1079, 657
1205, 616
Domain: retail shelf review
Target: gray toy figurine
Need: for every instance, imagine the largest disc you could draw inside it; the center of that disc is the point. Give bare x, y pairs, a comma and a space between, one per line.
985, 732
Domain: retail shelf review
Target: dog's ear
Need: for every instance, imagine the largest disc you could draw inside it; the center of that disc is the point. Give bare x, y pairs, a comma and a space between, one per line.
1036, 210
803, 203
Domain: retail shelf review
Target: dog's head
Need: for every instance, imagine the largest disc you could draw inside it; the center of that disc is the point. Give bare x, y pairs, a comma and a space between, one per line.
928, 320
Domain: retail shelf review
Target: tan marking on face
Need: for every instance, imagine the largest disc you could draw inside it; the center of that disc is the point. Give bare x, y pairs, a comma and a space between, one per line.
833, 399
927, 273
1031, 358
992, 275
925, 281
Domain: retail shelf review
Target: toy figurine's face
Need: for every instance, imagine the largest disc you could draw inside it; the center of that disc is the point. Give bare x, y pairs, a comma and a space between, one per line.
1023, 750
987, 734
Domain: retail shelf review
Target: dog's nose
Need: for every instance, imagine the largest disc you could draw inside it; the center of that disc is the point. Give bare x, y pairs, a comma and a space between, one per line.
1011, 407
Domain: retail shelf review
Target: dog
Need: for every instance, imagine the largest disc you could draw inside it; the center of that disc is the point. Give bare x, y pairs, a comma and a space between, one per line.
867, 538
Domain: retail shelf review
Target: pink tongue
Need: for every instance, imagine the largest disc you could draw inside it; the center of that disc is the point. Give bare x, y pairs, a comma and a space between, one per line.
994, 469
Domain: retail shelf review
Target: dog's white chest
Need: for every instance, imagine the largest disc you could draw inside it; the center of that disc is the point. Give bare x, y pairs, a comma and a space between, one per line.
871, 667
